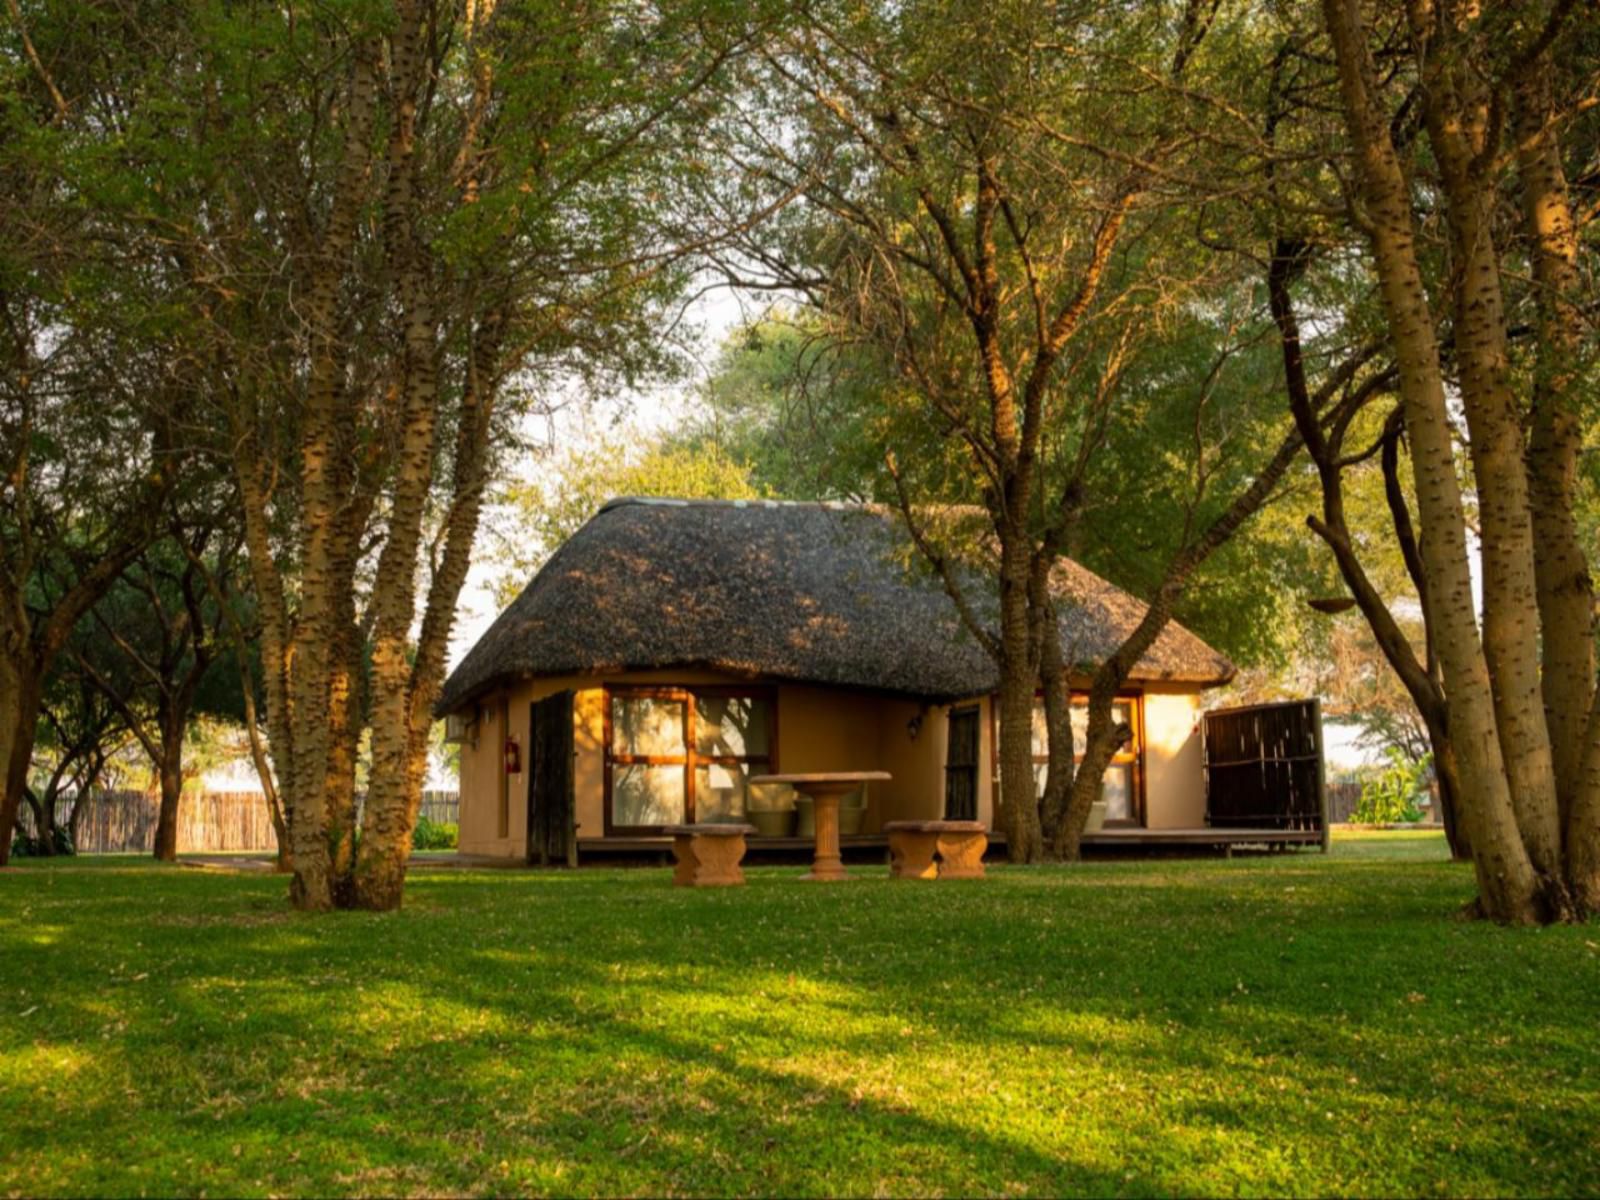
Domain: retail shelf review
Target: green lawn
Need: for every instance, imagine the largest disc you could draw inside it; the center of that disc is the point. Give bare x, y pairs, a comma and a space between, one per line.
1298, 1023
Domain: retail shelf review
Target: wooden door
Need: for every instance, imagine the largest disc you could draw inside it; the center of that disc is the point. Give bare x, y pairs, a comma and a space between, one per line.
550, 833
961, 766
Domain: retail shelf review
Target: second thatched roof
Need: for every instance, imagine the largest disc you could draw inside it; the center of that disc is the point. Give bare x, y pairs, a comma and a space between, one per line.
813, 593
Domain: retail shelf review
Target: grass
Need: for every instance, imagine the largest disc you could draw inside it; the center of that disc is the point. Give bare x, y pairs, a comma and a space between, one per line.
1298, 1023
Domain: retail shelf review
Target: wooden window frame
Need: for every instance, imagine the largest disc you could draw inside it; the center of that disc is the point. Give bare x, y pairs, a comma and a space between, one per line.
1133, 757
689, 759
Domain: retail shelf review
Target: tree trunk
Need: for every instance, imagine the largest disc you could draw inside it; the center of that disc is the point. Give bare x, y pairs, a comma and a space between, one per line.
170, 771
397, 786
1509, 887
19, 721
1019, 680
1565, 591
1583, 827
44, 822
1448, 773
1053, 680
345, 693
1456, 111
172, 780
390, 815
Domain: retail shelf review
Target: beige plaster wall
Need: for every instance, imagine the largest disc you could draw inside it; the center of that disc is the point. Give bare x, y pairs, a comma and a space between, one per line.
819, 729
1175, 794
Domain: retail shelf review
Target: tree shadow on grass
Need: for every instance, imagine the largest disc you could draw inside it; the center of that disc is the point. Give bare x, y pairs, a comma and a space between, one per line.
606, 1033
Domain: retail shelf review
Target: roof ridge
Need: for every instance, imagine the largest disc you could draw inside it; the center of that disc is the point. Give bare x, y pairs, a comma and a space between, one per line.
755, 502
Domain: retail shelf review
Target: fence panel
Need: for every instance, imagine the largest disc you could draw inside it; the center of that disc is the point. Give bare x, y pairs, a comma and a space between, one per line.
124, 822
1264, 766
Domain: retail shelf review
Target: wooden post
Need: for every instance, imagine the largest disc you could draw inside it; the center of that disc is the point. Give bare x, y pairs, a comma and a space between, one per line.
1322, 772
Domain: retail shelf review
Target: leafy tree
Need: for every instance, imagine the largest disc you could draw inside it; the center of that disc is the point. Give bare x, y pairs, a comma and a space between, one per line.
80, 731
1482, 106
158, 635
88, 398
396, 224
997, 215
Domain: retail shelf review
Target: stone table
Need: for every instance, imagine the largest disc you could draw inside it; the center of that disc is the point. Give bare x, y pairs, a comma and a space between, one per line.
825, 788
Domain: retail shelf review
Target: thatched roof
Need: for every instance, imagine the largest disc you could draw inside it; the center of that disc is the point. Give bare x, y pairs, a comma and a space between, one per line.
814, 593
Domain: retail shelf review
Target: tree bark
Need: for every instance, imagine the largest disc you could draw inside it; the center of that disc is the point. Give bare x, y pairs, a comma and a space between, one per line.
1508, 884
1456, 104
1019, 679
1565, 590
316, 633
171, 793
387, 822
20, 698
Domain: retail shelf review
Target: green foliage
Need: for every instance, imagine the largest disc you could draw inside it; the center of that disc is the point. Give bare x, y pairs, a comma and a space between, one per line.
1391, 796
542, 515
434, 835
25, 845
799, 412
1254, 1026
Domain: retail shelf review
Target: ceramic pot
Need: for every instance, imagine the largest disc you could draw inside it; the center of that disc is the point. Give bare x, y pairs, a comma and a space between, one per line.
772, 822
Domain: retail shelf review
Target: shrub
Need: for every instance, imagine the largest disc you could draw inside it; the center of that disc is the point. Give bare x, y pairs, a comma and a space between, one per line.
1390, 798
24, 844
435, 835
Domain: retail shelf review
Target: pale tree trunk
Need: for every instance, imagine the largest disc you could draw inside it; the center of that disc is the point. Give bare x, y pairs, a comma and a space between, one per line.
1565, 591
316, 632
345, 694
1456, 110
1508, 884
396, 797
387, 822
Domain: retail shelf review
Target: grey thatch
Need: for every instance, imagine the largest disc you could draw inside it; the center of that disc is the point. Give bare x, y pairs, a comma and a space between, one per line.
814, 593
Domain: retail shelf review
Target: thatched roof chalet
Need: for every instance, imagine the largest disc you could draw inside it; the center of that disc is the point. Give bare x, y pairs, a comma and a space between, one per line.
811, 593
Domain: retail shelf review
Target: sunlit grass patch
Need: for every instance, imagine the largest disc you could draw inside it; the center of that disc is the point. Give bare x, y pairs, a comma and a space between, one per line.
1294, 1023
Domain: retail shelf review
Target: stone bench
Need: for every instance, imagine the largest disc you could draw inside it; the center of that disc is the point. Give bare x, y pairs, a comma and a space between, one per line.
708, 855
959, 846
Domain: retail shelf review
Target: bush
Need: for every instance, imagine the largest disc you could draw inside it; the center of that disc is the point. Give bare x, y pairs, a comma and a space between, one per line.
435, 835
1391, 798
25, 845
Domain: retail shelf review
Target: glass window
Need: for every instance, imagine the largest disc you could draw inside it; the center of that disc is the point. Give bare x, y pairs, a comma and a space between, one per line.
730, 726
1117, 790
647, 794
647, 726
678, 756
721, 791
1120, 784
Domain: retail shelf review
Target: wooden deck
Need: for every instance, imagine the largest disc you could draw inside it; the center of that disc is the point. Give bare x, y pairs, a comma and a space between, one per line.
861, 843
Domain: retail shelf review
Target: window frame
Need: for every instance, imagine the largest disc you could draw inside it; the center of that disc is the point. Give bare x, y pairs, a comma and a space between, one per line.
1132, 757
690, 759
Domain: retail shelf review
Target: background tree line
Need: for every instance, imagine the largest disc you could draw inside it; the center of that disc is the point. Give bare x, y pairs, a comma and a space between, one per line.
1239, 305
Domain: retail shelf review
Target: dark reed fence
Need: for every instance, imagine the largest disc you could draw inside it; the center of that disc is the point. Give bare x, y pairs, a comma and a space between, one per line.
1264, 767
